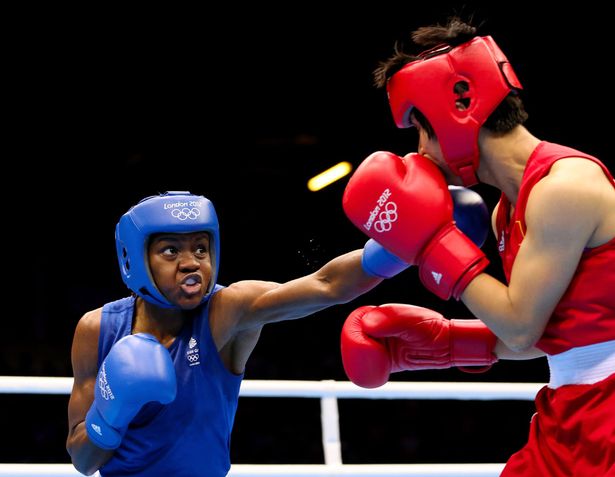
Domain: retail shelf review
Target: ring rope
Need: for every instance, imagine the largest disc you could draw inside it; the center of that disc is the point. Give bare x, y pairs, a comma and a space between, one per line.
329, 392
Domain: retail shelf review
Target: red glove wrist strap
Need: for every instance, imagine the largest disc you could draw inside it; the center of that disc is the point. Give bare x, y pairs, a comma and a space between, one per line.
472, 344
450, 262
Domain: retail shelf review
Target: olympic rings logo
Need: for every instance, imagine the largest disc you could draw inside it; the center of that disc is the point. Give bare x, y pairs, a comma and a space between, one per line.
193, 358
186, 213
386, 218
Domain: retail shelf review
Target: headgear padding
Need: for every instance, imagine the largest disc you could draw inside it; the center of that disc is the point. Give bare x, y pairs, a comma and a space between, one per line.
174, 212
429, 85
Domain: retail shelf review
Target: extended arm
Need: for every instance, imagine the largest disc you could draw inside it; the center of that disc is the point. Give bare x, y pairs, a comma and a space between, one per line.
339, 281
239, 311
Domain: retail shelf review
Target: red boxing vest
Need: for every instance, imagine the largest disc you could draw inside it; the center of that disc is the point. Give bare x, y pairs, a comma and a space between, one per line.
586, 313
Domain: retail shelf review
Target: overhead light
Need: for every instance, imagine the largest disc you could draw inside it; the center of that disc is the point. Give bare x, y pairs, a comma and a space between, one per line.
329, 176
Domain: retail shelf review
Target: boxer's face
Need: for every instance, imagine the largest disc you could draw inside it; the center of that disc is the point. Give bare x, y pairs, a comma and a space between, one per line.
430, 148
180, 265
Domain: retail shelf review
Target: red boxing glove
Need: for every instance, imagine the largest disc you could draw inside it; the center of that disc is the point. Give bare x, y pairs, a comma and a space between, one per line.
405, 205
379, 340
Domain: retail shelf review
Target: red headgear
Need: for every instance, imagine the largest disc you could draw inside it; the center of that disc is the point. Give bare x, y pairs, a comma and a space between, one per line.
428, 84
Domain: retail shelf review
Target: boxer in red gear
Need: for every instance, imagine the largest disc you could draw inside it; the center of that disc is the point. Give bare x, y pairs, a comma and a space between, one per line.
576, 410
555, 227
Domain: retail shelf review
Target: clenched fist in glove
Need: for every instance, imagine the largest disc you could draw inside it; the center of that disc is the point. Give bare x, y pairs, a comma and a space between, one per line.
470, 214
405, 205
379, 340
137, 370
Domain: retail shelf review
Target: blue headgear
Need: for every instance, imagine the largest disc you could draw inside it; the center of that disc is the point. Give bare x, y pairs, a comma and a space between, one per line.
174, 212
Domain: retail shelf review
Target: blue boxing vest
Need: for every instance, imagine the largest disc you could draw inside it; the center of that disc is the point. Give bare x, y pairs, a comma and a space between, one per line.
191, 435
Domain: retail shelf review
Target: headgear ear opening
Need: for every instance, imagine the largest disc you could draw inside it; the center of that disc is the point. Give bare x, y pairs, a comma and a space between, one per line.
429, 85
173, 212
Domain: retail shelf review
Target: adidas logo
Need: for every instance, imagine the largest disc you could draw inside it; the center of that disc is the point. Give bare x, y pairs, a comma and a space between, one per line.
437, 277
501, 245
96, 429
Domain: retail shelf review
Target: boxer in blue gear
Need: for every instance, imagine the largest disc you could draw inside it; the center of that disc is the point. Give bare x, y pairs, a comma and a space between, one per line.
157, 374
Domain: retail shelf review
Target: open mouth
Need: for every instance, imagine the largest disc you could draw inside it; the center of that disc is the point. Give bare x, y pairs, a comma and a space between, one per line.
191, 285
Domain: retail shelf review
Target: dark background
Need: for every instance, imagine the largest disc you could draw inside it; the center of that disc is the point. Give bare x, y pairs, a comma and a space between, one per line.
243, 105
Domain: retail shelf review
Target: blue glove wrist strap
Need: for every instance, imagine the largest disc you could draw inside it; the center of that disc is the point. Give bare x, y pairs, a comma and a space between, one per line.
100, 433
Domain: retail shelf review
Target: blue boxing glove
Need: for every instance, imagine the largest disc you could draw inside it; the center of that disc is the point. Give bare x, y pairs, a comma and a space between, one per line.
471, 217
470, 213
377, 261
137, 370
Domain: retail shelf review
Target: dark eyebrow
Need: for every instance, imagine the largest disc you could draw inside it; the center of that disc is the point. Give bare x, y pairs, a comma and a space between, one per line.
171, 237
200, 235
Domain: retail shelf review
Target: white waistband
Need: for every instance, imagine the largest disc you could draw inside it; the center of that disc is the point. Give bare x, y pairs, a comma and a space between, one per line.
583, 365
